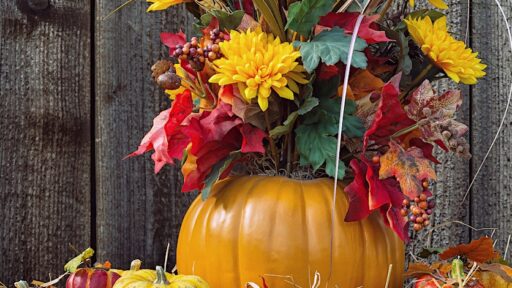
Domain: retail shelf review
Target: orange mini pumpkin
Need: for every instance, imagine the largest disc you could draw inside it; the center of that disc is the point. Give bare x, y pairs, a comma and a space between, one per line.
254, 226
92, 278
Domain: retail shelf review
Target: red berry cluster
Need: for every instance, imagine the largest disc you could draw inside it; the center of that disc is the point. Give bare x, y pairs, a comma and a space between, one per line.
197, 54
418, 210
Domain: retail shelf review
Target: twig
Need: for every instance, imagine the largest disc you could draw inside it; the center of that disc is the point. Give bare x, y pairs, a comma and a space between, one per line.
166, 256
429, 233
506, 248
117, 9
385, 9
389, 275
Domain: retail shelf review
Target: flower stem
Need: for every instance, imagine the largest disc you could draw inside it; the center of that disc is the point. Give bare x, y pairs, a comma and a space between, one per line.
273, 148
405, 130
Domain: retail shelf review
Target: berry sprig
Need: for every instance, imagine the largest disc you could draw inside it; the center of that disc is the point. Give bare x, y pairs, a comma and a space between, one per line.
197, 54
418, 210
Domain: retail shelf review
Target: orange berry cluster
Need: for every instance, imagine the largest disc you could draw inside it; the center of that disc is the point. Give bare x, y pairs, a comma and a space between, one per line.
418, 210
197, 54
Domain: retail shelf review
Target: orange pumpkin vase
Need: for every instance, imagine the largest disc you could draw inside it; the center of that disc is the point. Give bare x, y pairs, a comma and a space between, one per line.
280, 228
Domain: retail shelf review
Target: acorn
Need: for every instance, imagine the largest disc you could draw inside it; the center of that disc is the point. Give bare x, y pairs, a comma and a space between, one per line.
160, 67
169, 81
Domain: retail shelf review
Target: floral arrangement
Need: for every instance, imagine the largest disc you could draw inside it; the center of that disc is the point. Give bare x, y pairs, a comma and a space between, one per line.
259, 87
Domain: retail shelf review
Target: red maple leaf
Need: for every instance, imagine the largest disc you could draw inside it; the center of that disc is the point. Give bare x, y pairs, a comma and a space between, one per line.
166, 137
368, 193
171, 40
347, 21
390, 116
214, 135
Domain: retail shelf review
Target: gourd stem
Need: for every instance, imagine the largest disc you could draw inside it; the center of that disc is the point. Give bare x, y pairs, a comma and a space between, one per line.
160, 276
135, 265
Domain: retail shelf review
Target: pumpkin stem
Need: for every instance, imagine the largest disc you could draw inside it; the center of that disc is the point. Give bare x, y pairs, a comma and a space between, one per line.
135, 265
160, 276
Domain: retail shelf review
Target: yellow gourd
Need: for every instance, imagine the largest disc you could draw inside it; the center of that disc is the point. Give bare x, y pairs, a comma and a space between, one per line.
158, 278
253, 226
491, 279
134, 266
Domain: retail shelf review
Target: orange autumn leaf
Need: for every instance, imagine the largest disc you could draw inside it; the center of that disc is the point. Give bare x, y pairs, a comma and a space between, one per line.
480, 250
362, 83
409, 167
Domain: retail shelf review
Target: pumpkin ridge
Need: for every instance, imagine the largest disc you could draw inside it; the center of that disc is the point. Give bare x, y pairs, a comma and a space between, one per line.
255, 182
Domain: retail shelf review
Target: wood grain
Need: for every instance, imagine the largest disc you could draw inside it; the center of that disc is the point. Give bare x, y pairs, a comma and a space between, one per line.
45, 147
491, 197
138, 212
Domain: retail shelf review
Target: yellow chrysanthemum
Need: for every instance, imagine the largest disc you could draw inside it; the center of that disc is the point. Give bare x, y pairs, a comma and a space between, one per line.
259, 63
437, 3
184, 85
163, 4
447, 53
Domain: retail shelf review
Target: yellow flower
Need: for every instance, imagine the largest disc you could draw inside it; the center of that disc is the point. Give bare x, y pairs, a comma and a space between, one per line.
184, 85
259, 63
447, 53
163, 4
437, 3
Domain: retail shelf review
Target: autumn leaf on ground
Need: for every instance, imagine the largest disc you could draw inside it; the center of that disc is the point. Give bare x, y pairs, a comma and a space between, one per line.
409, 167
480, 250
367, 31
418, 268
390, 116
435, 115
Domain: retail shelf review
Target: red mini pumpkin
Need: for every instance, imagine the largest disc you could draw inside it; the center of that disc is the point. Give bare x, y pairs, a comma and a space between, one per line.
92, 278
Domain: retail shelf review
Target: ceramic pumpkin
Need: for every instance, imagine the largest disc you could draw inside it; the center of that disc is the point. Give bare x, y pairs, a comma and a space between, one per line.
257, 225
158, 278
92, 278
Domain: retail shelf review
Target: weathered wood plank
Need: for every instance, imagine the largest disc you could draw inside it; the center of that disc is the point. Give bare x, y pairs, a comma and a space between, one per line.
45, 137
491, 198
453, 170
138, 212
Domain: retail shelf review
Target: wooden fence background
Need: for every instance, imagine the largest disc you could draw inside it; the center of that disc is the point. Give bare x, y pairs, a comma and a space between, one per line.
76, 96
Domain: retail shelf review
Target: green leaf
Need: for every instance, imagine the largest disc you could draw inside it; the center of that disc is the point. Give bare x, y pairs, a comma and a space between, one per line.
328, 110
317, 147
217, 170
287, 126
73, 264
269, 9
331, 46
316, 137
304, 15
228, 21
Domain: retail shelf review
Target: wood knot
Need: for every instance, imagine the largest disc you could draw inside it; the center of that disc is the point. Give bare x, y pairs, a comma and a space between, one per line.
38, 5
